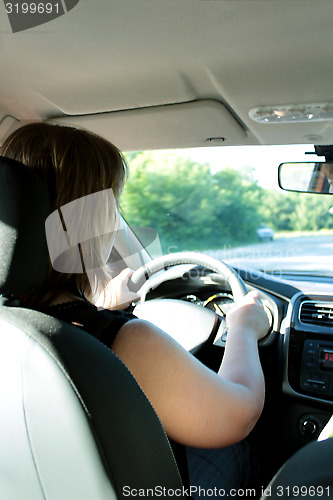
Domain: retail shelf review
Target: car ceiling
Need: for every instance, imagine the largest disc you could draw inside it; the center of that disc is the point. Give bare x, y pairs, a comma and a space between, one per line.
103, 58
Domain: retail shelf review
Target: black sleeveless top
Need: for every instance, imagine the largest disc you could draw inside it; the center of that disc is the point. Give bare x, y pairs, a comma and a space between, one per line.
101, 323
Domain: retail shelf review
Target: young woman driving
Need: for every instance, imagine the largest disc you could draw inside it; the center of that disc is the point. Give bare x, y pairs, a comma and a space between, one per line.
197, 407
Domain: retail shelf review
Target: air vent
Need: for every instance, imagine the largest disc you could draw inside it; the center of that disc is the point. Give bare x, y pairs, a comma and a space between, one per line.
317, 313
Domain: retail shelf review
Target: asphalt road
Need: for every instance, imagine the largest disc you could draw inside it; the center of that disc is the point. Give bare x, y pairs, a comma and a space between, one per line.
301, 253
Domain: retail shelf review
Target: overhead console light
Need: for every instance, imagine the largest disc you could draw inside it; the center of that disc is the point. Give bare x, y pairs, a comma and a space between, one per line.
293, 113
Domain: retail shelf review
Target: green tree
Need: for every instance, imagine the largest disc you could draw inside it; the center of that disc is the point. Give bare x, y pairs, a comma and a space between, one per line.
297, 211
169, 193
277, 210
237, 208
311, 212
188, 206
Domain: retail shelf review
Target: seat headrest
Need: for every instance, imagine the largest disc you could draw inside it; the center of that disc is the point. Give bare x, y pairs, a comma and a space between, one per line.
24, 206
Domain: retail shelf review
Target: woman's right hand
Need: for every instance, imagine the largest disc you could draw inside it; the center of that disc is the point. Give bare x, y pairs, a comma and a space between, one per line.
249, 315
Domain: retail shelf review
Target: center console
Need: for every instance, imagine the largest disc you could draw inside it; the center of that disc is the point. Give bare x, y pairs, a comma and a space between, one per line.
316, 375
309, 370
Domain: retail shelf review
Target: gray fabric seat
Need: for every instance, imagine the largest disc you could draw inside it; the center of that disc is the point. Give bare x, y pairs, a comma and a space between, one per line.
74, 424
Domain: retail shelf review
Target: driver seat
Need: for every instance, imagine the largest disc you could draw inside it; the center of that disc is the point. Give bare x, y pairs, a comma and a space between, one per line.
74, 424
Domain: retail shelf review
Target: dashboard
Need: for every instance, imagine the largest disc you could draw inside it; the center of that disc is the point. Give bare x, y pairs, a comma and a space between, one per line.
297, 354
304, 353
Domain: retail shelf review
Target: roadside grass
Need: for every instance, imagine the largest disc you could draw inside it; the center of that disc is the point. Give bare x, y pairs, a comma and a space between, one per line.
296, 234
229, 245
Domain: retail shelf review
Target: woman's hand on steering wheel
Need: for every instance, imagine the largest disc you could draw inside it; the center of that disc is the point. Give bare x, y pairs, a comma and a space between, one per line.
249, 314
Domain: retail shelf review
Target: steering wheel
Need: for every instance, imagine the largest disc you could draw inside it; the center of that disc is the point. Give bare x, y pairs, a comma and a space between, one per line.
187, 323
141, 275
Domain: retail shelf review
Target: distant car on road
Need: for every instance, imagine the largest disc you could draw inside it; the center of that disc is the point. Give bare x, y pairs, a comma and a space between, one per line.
265, 233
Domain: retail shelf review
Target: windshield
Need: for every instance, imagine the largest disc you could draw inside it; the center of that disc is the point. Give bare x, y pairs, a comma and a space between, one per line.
225, 202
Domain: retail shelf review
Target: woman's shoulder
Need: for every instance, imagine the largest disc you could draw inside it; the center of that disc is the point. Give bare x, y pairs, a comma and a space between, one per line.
103, 324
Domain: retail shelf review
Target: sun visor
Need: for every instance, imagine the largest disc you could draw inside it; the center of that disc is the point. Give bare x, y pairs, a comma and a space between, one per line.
184, 125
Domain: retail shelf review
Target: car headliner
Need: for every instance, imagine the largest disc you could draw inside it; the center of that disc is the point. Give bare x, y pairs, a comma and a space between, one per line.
234, 55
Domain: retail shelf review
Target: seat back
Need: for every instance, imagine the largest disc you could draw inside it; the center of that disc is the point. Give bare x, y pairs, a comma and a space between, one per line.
73, 421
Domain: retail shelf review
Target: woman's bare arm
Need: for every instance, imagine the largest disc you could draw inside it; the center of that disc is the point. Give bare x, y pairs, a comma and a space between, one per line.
196, 406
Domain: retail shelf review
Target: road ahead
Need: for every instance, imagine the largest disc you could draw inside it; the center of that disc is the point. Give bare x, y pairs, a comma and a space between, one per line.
301, 253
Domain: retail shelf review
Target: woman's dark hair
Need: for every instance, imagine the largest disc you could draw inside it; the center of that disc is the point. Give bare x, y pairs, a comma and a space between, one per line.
73, 163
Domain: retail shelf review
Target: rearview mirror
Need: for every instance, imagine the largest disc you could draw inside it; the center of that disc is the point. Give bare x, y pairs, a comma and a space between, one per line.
307, 177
